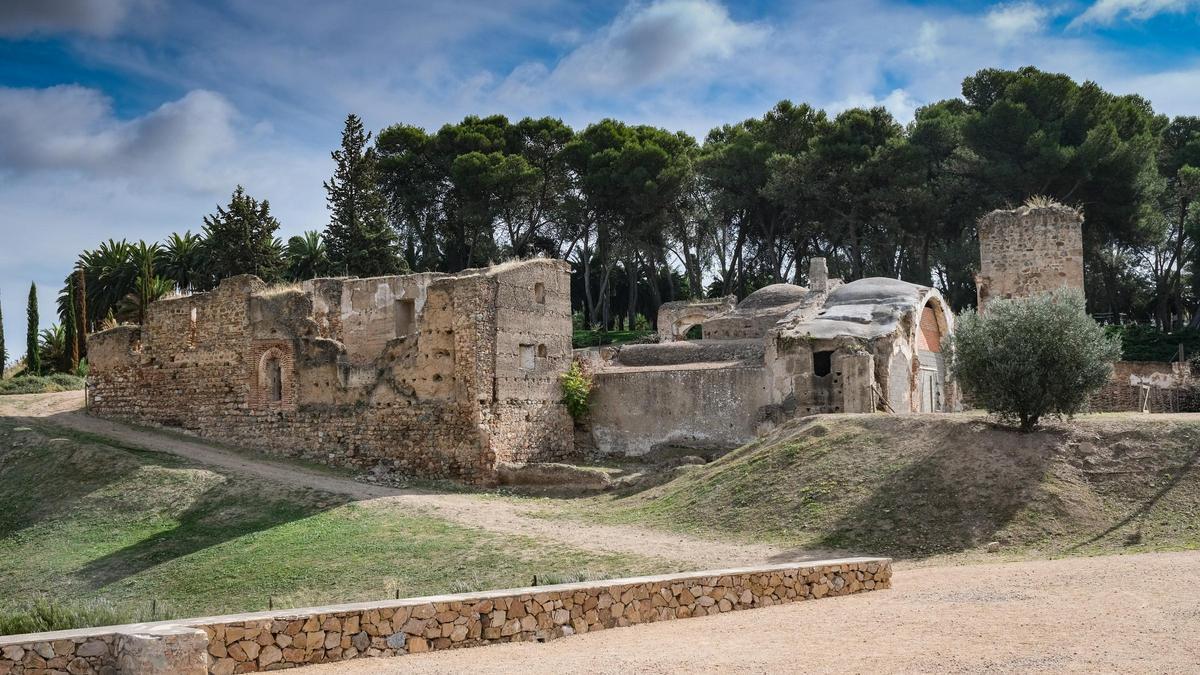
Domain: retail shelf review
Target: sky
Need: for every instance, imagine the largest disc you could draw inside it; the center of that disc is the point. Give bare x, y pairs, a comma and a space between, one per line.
134, 118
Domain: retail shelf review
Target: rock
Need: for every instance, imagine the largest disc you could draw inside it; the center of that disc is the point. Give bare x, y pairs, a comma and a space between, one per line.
13, 653
459, 633
270, 654
361, 641
92, 648
992, 546
44, 650
223, 667
79, 666
416, 645
397, 641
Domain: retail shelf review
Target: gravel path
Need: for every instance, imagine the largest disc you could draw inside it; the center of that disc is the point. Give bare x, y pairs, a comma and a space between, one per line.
1116, 614
497, 515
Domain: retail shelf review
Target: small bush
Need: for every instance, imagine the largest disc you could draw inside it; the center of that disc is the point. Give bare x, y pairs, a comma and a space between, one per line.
41, 614
38, 384
1025, 359
577, 391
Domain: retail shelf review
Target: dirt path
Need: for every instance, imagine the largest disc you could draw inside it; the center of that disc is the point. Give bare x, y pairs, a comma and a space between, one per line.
497, 515
1117, 614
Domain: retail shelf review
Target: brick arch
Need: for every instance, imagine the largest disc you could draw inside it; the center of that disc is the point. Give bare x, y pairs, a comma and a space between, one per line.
262, 392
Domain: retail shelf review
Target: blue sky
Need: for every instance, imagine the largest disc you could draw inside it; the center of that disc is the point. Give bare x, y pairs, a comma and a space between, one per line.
134, 118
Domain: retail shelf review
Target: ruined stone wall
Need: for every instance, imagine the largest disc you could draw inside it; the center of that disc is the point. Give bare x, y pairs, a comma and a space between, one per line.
443, 397
706, 406
1154, 385
1027, 251
290, 638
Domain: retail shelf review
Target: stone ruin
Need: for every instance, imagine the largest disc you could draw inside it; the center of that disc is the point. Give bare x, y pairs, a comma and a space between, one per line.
426, 374
783, 351
457, 376
1029, 250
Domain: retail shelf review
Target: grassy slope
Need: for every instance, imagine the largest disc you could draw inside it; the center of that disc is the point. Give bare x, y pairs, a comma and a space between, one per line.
83, 521
920, 486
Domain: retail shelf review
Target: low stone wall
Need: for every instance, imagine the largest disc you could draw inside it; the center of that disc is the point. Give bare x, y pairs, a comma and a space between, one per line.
288, 638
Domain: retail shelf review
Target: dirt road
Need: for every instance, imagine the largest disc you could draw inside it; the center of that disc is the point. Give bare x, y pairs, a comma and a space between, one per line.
498, 515
1117, 614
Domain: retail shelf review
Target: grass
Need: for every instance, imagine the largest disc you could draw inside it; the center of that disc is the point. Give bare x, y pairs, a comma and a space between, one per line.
915, 487
596, 338
35, 384
92, 532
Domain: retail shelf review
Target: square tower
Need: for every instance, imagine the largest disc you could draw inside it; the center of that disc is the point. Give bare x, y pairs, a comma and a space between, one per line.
1029, 250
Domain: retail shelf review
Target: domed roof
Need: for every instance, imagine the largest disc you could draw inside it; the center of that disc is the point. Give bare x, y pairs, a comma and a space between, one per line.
773, 296
866, 308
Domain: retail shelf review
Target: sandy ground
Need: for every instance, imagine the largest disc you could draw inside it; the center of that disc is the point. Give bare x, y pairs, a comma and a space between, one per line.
1116, 614
498, 515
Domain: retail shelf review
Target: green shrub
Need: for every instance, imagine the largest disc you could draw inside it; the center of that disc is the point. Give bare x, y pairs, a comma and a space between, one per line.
42, 614
39, 384
577, 390
1025, 359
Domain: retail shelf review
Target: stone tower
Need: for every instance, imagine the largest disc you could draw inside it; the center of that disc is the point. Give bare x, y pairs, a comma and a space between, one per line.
1029, 250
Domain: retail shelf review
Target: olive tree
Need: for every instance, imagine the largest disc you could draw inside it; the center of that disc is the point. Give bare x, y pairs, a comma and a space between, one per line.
1022, 360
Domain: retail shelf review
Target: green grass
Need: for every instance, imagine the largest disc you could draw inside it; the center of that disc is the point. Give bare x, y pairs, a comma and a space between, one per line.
95, 532
34, 384
920, 487
595, 338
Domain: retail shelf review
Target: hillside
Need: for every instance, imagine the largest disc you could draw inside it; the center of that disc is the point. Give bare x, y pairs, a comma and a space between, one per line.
103, 533
916, 486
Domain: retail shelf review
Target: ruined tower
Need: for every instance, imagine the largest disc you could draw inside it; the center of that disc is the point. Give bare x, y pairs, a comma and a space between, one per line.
1029, 250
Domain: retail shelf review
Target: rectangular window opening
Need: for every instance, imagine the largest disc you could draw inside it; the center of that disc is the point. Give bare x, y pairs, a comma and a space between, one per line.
822, 363
406, 317
539, 293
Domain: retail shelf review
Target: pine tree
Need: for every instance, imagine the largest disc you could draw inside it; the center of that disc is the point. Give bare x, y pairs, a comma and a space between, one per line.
359, 240
33, 357
240, 239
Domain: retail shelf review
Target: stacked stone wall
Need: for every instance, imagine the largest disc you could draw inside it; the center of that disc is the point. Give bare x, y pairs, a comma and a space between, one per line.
290, 638
447, 399
1027, 251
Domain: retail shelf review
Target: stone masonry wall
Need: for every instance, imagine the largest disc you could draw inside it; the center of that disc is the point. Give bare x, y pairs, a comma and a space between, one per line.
1027, 251
447, 395
289, 638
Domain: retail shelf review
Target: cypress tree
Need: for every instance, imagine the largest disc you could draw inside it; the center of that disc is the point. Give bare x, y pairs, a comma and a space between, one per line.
70, 358
33, 358
359, 240
3, 352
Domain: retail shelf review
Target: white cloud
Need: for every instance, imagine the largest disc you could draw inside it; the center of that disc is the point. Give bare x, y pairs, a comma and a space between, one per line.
898, 102
94, 17
646, 44
73, 128
1015, 19
1107, 12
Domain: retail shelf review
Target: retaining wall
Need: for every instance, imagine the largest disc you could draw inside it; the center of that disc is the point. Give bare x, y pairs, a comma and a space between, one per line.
243, 643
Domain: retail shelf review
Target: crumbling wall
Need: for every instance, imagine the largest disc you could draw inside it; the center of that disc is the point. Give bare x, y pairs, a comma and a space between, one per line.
444, 397
718, 406
1027, 251
675, 319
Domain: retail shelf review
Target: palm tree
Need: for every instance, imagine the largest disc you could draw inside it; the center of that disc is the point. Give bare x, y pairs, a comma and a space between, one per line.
183, 262
306, 257
52, 346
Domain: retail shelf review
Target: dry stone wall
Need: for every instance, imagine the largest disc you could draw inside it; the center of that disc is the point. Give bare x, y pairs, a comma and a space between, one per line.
276, 640
469, 379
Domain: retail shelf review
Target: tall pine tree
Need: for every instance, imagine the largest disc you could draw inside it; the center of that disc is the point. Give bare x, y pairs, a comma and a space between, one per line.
240, 239
33, 356
359, 240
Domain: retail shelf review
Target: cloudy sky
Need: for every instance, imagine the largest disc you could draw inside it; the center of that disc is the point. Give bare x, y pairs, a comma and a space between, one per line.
134, 118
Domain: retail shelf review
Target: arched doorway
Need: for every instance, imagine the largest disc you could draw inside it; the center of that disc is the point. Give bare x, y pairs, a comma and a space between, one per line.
931, 363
